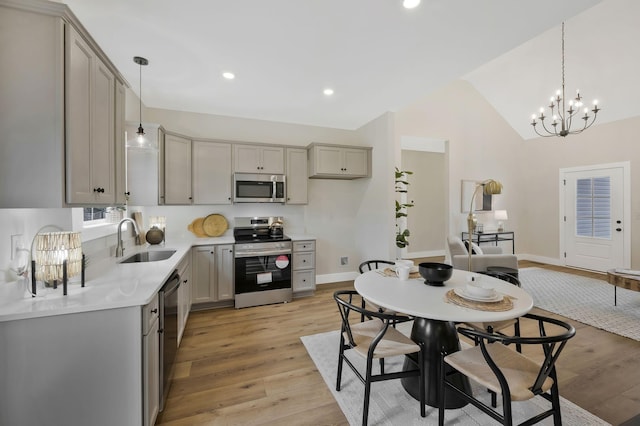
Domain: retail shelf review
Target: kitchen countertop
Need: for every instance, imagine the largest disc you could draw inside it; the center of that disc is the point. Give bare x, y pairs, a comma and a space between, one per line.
109, 284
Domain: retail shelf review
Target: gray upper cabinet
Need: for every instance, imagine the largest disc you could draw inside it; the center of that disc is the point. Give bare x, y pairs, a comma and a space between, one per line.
211, 172
258, 159
176, 170
339, 162
60, 108
297, 176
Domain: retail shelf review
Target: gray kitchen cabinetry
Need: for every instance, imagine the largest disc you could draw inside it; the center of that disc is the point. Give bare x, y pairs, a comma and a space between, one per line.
258, 159
296, 176
151, 362
61, 107
211, 172
175, 154
184, 294
303, 267
213, 275
339, 161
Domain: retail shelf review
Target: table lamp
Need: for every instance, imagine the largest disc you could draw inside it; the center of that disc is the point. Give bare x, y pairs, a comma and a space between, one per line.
58, 257
489, 187
500, 216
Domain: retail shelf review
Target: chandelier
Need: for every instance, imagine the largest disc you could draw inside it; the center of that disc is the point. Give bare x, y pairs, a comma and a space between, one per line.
562, 117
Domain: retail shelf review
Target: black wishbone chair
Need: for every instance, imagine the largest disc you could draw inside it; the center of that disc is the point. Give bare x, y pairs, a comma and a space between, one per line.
373, 339
499, 326
502, 370
372, 265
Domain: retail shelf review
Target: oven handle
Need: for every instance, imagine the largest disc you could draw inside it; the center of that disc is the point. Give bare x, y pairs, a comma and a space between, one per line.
262, 253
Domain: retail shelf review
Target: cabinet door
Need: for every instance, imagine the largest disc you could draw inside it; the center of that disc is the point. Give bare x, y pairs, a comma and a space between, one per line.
328, 160
224, 258
177, 170
203, 274
272, 160
151, 373
355, 162
103, 165
246, 159
211, 173
90, 125
296, 176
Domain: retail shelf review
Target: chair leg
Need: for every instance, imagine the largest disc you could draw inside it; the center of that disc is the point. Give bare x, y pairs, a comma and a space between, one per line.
441, 391
423, 412
340, 357
367, 392
381, 365
516, 330
507, 415
555, 401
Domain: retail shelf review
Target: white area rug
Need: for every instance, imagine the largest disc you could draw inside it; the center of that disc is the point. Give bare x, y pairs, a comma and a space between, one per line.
583, 299
391, 405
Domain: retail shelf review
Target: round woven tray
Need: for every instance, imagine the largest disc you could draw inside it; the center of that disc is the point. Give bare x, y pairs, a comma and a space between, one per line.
215, 225
503, 305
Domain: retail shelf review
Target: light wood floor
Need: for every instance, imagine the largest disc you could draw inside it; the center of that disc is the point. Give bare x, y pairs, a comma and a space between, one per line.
249, 367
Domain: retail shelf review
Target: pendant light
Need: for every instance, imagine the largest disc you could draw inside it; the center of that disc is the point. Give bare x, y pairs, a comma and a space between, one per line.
140, 140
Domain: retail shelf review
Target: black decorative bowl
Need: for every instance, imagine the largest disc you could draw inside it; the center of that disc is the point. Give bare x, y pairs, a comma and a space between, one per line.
435, 273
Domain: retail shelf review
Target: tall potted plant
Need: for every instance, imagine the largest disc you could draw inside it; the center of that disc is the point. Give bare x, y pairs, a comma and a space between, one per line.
402, 232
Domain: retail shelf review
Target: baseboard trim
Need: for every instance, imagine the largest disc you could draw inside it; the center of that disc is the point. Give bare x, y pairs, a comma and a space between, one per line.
540, 259
334, 278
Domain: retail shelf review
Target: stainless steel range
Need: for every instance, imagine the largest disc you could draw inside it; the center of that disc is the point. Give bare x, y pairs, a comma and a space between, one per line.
262, 258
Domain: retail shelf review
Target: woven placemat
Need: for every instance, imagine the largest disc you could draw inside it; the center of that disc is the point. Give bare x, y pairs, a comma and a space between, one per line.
388, 272
503, 305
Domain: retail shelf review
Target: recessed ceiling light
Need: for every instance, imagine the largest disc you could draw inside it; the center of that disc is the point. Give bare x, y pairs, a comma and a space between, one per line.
410, 4
228, 75
328, 91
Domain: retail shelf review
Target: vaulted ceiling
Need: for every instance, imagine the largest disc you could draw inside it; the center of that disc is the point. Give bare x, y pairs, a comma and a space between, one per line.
375, 55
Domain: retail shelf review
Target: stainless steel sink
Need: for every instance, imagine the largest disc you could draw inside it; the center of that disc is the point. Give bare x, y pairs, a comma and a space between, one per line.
149, 256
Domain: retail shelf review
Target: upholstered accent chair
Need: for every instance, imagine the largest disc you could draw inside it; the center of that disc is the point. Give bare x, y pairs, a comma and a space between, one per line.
458, 256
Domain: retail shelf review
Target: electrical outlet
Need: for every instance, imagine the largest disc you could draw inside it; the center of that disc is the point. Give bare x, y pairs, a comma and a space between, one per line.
17, 242
344, 260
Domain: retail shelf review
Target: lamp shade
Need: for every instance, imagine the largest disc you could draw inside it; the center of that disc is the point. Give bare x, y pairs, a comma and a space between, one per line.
501, 215
52, 249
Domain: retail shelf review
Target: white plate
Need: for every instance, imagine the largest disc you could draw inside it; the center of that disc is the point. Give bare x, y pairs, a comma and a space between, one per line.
460, 292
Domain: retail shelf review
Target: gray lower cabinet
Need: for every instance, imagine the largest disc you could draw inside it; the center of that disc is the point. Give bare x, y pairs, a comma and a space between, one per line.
151, 363
213, 275
184, 294
303, 276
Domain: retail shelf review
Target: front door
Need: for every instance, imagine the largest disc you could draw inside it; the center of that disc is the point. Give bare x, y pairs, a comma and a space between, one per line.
594, 217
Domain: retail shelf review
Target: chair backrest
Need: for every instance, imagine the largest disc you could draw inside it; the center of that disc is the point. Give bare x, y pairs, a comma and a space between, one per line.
350, 300
370, 265
456, 246
552, 346
502, 276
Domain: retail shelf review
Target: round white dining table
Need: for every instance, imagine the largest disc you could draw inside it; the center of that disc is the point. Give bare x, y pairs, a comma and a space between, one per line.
435, 317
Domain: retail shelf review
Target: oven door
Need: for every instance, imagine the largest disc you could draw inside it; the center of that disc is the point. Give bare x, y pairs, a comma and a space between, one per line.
254, 273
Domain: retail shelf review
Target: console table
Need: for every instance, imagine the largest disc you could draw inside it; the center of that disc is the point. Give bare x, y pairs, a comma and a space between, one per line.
491, 237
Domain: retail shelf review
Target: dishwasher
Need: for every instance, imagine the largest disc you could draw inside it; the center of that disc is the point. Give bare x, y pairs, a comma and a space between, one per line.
168, 297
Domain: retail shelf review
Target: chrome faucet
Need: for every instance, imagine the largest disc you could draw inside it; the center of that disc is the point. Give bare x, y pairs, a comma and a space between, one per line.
119, 247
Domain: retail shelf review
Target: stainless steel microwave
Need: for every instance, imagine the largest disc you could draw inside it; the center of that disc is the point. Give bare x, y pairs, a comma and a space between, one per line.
259, 188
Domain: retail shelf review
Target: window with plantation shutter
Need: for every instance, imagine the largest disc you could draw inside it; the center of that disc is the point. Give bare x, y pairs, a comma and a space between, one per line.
593, 207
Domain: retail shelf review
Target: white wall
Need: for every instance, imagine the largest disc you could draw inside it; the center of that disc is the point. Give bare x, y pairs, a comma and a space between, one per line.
482, 145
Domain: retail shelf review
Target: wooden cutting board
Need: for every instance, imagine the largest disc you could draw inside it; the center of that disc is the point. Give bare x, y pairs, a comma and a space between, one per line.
215, 225
196, 227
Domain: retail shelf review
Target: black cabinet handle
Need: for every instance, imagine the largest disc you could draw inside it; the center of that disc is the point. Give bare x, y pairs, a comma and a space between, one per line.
127, 193
154, 311
618, 229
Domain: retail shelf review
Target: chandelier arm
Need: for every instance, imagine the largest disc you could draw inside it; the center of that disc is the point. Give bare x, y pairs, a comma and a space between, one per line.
554, 132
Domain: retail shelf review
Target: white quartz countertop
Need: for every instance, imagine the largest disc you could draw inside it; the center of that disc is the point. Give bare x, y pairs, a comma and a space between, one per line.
109, 284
